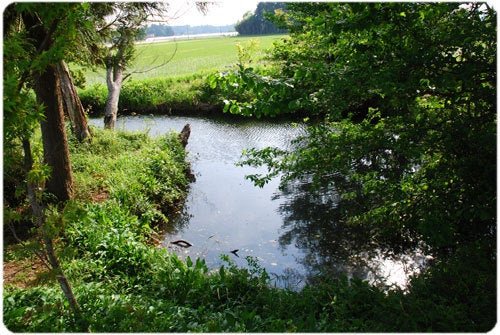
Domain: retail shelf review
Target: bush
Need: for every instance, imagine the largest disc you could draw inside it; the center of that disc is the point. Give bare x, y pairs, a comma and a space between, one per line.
94, 99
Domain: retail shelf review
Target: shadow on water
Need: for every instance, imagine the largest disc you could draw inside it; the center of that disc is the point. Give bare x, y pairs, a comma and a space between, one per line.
331, 247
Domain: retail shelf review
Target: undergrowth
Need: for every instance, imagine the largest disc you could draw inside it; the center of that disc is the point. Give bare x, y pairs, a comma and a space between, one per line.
125, 284
145, 175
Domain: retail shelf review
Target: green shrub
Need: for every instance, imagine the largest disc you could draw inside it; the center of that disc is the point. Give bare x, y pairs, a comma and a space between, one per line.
94, 99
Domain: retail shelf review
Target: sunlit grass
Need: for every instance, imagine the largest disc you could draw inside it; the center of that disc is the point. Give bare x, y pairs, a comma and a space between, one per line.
185, 57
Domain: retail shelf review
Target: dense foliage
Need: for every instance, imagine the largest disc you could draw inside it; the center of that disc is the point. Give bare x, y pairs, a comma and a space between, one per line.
407, 92
407, 109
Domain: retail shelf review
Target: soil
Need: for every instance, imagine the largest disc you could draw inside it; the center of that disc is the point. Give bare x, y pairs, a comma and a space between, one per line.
100, 195
24, 273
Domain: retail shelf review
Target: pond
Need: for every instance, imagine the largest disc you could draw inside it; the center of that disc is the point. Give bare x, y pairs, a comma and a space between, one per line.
292, 233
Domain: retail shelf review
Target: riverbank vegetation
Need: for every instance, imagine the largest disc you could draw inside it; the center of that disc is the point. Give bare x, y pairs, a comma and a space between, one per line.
124, 283
409, 133
179, 86
408, 142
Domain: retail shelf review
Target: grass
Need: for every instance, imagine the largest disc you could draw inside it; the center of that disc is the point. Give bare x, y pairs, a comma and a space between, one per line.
191, 57
144, 174
179, 86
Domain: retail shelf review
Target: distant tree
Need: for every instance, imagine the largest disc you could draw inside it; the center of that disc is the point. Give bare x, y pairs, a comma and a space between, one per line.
125, 27
159, 30
257, 23
205, 29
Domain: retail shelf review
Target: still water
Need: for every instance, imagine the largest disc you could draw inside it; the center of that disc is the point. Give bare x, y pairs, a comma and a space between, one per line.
292, 233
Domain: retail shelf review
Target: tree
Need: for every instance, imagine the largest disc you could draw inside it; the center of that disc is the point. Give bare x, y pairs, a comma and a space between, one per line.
46, 84
125, 28
160, 30
256, 23
72, 104
37, 36
406, 108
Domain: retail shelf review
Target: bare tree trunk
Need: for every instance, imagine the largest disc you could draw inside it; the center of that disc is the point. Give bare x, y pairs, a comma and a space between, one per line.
114, 80
55, 143
72, 103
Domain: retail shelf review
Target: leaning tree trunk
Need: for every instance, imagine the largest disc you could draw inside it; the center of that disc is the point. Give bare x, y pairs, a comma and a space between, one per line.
72, 104
114, 80
55, 143
40, 218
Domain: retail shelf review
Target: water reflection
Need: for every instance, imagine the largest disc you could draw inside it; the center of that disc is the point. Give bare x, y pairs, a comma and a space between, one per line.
313, 224
311, 221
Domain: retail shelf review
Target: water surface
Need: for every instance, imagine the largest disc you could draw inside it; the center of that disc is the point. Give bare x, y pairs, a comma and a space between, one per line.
293, 233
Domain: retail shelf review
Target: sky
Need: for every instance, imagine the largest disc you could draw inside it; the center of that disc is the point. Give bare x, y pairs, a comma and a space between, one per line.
223, 12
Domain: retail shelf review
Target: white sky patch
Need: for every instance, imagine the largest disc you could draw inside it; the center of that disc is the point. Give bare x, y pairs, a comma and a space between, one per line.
223, 12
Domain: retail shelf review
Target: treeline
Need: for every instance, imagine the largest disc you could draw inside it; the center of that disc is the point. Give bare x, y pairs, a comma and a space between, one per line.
164, 30
257, 23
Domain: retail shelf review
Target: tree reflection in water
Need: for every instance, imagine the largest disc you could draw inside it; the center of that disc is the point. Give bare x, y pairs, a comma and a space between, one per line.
312, 221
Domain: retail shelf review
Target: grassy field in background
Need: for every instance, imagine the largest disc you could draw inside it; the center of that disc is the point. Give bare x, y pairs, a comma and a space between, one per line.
191, 57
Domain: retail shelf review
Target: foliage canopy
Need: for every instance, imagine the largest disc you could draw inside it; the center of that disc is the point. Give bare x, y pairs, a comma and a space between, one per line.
257, 23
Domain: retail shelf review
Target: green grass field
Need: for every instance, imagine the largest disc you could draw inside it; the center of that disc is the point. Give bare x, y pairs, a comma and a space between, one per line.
191, 57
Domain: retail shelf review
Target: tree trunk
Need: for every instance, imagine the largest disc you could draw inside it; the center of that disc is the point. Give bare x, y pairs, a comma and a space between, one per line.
48, 93
61, 277
114, 80
55, 147
55, 143
72, 103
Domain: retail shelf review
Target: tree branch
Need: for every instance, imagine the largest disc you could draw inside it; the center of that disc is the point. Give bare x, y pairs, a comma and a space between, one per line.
157, 66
